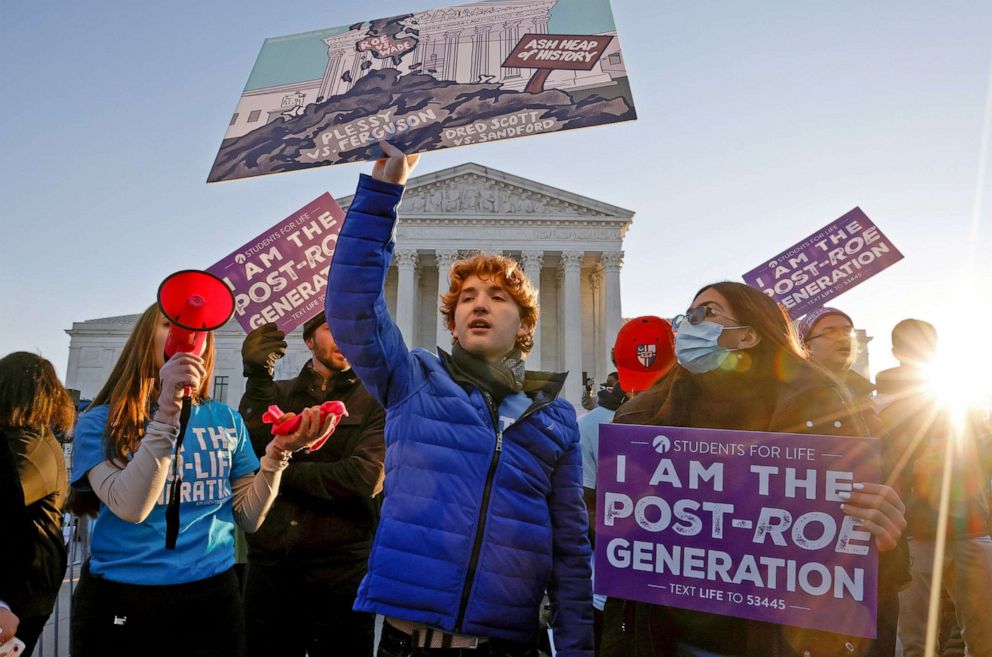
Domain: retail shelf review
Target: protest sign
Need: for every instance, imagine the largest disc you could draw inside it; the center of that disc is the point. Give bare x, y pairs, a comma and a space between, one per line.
280, 276
832, 260
737, 523
460, 75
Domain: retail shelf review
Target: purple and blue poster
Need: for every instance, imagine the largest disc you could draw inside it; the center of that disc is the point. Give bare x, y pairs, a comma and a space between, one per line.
842, 254
737, 523
455, 76
280, 276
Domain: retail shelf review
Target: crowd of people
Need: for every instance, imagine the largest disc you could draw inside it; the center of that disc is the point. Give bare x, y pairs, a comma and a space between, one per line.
456, 497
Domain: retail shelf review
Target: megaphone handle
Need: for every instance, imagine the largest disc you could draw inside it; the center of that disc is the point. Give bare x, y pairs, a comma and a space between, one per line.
172, 510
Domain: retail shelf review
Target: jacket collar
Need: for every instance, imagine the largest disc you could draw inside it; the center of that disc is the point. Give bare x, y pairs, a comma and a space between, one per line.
538, 385
311, 382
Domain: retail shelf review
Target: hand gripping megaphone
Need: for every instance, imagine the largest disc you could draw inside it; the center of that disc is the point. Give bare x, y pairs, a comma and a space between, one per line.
195, 303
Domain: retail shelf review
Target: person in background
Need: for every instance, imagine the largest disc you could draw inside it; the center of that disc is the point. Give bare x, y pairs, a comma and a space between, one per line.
922, 433
483, 507
742, 367
313, 550
135, 596
829, 338
588, 401
33, 488
643, 352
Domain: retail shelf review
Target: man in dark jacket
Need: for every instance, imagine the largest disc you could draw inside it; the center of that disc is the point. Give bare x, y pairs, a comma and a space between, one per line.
921, 430
306, 561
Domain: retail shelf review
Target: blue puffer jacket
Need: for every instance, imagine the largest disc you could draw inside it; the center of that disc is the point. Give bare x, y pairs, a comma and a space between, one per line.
471, 535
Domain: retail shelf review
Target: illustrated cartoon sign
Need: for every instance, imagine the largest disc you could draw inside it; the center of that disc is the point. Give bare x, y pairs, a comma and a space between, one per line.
448, 77
845, 252
281, 275
737, 523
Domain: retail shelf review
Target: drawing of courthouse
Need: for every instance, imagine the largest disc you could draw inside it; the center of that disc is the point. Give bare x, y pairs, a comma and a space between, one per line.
466, 44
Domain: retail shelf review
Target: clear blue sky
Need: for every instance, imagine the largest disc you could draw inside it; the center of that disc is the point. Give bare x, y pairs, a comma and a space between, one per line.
759, 123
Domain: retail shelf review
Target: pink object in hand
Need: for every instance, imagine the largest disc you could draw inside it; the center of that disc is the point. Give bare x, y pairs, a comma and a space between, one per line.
287, 423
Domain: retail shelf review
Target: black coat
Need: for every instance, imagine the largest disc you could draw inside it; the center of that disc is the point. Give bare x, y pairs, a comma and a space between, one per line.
33, 490
327, 508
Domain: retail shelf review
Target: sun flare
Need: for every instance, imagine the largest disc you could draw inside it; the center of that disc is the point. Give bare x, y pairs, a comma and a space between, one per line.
960, 379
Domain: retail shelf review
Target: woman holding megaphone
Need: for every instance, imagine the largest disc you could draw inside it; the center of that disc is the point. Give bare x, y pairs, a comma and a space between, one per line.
135, 595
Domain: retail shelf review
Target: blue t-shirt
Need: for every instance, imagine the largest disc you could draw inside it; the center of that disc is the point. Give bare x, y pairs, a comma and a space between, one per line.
512, 408
589, 440
215, 451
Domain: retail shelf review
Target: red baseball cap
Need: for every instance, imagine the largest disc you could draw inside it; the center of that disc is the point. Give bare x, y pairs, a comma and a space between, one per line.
644, 352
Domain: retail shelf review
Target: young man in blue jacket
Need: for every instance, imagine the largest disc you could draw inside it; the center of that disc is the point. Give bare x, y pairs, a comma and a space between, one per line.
483, 509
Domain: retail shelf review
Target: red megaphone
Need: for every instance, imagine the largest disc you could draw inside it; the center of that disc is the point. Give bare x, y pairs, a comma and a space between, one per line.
195, 302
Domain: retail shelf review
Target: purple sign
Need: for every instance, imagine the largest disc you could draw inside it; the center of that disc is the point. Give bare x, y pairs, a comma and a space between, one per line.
280, 276
829, 262
737, 523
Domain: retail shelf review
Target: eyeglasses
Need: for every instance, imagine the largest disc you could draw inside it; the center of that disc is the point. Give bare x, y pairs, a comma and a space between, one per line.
699, 314
834, 333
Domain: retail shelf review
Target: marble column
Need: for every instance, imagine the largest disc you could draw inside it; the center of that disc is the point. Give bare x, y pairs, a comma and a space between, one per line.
451, 54
406, 265
612, 261
601, 345
331, 73
445, 258
571, 265
533, 261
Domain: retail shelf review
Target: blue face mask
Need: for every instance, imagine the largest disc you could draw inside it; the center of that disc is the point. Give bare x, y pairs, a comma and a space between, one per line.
696, 347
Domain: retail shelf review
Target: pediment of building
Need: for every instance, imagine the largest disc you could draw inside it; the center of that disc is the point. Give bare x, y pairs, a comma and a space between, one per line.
471, 191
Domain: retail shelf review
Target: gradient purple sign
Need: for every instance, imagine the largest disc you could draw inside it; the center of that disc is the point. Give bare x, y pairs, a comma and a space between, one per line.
737, 523
281, 275
832, 260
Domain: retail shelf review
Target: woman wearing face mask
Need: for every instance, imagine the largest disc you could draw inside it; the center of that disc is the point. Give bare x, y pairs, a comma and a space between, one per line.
742, 367
135, 596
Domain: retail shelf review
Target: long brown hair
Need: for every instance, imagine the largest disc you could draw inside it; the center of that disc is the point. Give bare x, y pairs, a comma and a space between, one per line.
780, 354
134, 385
777, 359
32, 396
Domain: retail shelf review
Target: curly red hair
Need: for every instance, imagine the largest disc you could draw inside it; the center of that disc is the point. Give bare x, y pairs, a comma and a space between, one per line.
510, 276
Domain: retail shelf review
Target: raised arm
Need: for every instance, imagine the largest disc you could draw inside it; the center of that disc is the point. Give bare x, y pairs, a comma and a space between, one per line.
355, 304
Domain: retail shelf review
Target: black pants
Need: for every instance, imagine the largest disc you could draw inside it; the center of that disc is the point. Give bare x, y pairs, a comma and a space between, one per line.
110, 619
296, 611
395, 643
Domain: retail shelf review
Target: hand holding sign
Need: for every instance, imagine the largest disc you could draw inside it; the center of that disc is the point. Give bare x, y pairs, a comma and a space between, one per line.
261, 349
877, 506
396, 167
744, 524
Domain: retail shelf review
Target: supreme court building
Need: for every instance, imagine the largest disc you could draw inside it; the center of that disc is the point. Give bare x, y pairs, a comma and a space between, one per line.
571, 246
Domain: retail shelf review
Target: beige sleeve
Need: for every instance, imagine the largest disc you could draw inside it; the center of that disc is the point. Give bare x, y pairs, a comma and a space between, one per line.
132, 491
254, 494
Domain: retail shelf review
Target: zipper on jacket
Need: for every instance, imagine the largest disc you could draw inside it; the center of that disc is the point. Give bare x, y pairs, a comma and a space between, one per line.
483, 512
484, 509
